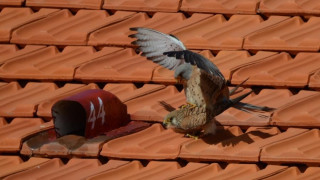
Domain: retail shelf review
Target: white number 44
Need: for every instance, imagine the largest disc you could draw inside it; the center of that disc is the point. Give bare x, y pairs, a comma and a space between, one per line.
101, 113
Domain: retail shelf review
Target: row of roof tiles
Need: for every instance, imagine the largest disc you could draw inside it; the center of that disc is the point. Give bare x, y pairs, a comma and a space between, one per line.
147, 103
230, 144
42, 168
112, 64
213, 6
208, 31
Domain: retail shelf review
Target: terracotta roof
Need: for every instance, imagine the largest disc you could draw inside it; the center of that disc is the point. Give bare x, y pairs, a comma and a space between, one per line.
53, 49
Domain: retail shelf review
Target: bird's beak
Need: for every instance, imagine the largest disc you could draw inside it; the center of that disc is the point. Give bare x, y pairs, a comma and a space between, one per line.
165, 122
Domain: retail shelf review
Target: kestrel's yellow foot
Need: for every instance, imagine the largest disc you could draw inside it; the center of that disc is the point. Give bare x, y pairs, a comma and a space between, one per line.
191, 105
188, 105
195, 137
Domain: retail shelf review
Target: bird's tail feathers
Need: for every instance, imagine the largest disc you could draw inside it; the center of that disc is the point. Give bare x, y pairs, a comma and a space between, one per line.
250, 108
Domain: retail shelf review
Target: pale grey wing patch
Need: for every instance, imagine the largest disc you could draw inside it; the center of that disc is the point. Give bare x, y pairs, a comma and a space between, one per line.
153, 44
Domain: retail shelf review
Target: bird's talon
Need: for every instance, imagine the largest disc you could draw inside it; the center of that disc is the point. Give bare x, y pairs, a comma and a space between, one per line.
192, 136
188, 105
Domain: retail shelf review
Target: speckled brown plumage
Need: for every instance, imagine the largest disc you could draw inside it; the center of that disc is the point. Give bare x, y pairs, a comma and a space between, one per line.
191, 120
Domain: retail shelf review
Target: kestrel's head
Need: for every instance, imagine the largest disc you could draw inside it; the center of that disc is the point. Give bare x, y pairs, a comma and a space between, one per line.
183, 72
171, 121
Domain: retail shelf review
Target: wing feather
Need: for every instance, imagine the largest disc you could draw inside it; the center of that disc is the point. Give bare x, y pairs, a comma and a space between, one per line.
198, 60
153, 44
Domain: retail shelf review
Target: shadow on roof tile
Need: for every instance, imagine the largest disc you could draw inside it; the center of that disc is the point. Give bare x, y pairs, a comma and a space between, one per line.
291, 35
63, 28
71, 145
218, 33
124, 65
49, 63
13, 164
13, 18
142, 5
223, 7
20, 128
280, 70
231, 144
81, 4
117, 34
152, 143
290, 7
301, 148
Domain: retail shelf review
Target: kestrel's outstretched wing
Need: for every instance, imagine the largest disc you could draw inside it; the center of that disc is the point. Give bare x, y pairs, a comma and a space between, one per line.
198, 60
153, 44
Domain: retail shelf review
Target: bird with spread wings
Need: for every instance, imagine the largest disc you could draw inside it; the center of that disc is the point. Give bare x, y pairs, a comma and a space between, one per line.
204, 85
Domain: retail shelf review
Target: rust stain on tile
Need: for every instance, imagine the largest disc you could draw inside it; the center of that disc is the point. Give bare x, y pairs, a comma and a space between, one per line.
152, 143
81, 4
218, 33
49, 63
154, 106
67, 29
117, 34
120, 66
13, 18
223, 7
141, 5
302, 148
290, 35
290, 7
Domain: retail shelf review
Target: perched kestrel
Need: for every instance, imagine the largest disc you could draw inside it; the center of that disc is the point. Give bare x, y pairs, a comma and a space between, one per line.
204, 85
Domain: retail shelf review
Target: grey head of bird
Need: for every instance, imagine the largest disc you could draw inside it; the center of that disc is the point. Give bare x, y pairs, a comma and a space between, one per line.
183, 72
